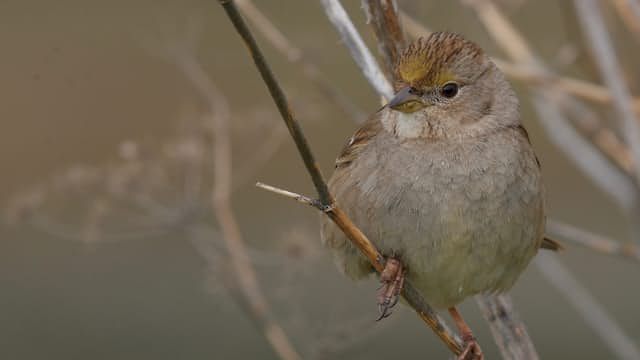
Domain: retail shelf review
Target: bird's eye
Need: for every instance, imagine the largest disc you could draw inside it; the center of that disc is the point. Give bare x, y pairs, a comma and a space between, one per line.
449, 90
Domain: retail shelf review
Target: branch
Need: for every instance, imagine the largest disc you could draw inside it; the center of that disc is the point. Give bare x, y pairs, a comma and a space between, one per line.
328, 205
509, 331
382, 15
295, 55
593, 241
359, 51
606, 59
412, 296
629, 12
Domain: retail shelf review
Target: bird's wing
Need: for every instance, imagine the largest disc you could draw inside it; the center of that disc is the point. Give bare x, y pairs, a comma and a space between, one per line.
359, 141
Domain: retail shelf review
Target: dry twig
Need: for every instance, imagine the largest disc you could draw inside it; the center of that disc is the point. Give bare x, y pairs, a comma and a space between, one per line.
595, 242
594, 28
359, 51
328, 205
382, 15
506, 326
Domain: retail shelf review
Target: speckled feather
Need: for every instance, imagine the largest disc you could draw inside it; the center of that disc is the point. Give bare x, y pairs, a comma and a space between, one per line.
454, 189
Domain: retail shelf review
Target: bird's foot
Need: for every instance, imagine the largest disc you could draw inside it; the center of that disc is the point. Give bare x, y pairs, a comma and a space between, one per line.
471, 349
392, 279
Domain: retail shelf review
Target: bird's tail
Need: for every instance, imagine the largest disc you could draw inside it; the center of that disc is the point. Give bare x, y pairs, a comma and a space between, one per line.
551, 244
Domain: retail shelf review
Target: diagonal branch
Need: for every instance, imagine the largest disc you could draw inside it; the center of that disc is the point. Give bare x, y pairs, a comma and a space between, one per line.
295, 55
328, 206
359, 51
382, 15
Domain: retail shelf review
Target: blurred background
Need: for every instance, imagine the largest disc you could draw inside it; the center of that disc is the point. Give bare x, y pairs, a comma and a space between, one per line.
110, 249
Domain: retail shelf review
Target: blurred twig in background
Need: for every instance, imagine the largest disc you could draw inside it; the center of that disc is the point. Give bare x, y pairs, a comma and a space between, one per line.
593, 26
240, 262
593, 241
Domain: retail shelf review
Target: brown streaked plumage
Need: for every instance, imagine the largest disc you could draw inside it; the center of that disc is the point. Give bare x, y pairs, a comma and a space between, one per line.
434, 60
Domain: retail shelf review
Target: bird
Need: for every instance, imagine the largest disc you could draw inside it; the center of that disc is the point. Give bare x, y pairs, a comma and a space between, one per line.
443, 180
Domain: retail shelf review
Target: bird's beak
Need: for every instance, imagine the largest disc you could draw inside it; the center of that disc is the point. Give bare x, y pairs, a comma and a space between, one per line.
405, 101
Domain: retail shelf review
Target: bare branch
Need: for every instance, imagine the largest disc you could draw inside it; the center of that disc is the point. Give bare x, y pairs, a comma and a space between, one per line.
629, 12
589, 240
286, 193
383, 17
359, 51
506, 326
594, 28
329, 207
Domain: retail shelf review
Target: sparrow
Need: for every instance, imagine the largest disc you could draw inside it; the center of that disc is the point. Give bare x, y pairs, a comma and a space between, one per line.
443, 180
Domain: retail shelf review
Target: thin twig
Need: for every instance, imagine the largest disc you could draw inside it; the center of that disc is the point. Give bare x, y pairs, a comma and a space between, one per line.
295, 55
507, 328
594, 314
629, 12
281, 102
596, 242
382, 16
594, 28
286, 193
359, 51
413, 298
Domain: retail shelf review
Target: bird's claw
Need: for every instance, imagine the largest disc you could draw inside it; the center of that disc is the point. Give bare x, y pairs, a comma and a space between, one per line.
472, 350
392, 278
